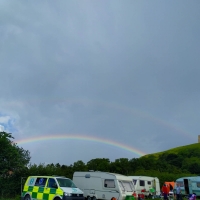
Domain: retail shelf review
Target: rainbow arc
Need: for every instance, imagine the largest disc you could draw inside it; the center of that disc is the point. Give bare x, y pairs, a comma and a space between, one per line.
83, 138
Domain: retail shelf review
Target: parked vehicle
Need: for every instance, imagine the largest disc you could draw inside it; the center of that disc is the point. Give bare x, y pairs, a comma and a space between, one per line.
50, 188
189, 185
150, 186
104, 185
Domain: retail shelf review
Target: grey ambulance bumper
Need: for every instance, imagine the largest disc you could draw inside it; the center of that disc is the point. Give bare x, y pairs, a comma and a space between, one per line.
73, 198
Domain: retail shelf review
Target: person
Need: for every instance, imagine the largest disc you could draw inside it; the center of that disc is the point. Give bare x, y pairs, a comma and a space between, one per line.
193, 197
141, 196
135, 195
165, 191
178, 192
152, 193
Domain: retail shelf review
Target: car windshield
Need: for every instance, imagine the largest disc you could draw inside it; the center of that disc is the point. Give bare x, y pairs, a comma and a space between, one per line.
65, 182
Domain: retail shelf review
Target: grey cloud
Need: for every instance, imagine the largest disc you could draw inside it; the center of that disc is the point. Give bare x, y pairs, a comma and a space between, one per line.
127, 72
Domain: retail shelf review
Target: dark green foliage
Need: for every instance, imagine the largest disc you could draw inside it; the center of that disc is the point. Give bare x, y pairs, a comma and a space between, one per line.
99, 164
12, 158
13, 163
80, 166
120, 166
192, 164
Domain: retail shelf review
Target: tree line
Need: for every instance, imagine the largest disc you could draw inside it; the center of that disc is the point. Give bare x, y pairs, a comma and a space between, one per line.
15, 166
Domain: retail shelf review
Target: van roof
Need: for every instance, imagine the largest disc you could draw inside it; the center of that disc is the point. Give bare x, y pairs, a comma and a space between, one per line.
49, 176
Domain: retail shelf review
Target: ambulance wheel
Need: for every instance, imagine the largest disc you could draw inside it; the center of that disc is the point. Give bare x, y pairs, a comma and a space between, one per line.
89, 198
94, 198
27, 197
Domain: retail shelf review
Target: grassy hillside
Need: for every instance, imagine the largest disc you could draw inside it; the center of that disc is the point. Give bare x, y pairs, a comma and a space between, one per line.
182, 149
171, 164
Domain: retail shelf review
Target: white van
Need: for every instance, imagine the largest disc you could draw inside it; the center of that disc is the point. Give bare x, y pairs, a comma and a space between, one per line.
104, 185
151, 185
50, 188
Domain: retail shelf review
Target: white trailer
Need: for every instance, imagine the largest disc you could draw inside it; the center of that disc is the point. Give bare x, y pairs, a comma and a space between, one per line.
151, 185
104, 185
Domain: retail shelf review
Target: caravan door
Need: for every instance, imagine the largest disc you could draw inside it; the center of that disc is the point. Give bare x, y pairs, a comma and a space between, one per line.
188, 186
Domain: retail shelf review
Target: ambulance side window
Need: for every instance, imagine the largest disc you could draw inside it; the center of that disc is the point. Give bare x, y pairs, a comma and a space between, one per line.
52, 183
40, 182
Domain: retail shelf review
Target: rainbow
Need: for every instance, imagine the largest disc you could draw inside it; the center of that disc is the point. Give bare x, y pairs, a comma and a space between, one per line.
84, 138
122, 108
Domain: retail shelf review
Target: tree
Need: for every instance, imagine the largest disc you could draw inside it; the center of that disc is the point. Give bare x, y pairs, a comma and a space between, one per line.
12, 157
192, 165
121, 166
99, 164
13, 160
79, 166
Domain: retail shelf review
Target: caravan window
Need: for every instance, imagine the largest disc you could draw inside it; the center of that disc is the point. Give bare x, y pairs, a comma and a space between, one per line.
87, 176
128, 186
134, 181
121, 186
149, 182
180, 183
198, 184
142, 183
109, 183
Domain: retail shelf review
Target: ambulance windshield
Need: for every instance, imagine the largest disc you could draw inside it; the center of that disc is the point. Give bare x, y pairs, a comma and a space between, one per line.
65, 182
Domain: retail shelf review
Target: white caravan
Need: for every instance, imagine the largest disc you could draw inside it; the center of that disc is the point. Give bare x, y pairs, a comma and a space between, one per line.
104, 185
151, 185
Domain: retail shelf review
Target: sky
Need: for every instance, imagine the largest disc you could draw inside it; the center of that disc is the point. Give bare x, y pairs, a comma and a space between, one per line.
99, 79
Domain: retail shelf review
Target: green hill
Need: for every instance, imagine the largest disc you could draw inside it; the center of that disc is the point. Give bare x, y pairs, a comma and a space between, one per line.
169, 165
190, 150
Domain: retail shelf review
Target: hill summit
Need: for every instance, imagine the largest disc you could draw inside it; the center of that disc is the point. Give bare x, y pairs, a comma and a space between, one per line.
190, 150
